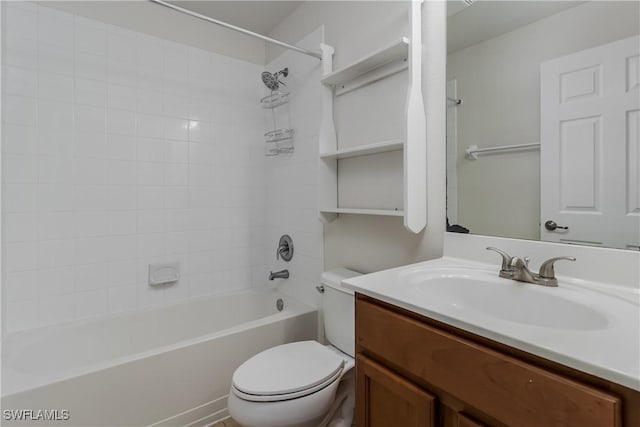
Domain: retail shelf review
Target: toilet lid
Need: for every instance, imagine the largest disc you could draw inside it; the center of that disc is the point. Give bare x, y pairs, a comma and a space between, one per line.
287, 368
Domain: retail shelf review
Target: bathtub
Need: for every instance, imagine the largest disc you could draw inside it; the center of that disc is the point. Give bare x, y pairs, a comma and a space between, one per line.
163, 366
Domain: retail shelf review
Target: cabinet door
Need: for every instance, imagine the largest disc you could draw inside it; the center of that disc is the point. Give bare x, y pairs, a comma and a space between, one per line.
384, 399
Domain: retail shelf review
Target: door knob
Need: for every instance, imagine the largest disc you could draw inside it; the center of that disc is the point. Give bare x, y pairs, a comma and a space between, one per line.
551, 226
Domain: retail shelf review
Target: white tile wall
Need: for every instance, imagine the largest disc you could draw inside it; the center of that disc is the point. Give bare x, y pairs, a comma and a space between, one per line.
121, 149
291, 184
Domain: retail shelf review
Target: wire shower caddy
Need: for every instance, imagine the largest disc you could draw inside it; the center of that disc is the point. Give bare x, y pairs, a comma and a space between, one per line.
280, 138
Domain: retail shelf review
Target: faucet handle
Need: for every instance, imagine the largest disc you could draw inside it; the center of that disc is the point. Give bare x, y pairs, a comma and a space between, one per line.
506, 258
285, 248
546, 269
517, 262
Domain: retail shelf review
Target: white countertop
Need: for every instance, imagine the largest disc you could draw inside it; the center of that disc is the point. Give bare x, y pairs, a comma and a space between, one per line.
610, 350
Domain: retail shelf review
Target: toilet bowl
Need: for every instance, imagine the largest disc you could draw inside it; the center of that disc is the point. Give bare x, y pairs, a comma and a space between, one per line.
303, 384
292, 385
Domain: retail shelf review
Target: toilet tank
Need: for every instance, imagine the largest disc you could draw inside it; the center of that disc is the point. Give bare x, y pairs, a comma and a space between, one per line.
338, 309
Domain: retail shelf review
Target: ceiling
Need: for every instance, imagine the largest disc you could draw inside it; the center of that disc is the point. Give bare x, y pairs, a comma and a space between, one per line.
258, 16
486, 19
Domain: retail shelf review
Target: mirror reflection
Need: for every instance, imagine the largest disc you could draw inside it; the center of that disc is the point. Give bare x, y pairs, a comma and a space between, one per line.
543, 120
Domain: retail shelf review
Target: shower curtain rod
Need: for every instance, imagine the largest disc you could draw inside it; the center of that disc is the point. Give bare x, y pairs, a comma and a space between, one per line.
238, 29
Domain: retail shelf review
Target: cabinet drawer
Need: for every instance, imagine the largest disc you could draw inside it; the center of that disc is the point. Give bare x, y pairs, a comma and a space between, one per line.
507, 389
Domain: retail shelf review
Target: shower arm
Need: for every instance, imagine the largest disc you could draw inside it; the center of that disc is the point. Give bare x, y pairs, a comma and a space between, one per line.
238, 29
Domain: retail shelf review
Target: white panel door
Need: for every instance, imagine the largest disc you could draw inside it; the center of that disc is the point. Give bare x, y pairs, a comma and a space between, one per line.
589, 152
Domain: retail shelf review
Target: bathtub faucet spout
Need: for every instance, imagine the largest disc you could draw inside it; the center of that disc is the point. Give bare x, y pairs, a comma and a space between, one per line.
282, 274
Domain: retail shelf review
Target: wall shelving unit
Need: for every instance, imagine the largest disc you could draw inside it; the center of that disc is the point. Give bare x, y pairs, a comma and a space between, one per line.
364, 150
404, 54
375, 66
379, 212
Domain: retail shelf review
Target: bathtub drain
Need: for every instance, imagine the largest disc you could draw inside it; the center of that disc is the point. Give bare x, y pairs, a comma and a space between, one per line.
279, 304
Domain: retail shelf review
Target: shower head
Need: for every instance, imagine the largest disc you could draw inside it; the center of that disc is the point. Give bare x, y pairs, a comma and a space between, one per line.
271, 81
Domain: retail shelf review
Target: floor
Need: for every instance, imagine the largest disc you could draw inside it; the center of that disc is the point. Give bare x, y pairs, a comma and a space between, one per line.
229, 422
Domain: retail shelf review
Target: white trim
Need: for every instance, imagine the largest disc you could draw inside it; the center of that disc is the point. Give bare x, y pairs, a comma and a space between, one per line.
452, 152
3, 324
434, 30
328, 142
415, 149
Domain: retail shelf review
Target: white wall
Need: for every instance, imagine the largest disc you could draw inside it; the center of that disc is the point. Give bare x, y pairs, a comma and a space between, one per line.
498, 80
291, 180
152, 19
355, 29
120, 149
225, 210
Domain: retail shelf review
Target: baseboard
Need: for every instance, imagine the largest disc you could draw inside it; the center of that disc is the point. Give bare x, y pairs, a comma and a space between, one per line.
200, 416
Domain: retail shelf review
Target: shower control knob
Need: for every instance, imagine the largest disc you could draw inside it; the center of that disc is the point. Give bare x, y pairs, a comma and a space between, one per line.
285, 248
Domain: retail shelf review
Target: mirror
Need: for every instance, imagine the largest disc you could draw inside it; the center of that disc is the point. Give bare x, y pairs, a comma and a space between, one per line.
543, 120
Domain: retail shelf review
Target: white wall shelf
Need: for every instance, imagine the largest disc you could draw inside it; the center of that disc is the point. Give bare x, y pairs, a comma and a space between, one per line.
364, 150
377, 59
380, 212
404, 54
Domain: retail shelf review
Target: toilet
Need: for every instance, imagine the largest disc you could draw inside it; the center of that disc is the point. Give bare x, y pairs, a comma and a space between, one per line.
305, 383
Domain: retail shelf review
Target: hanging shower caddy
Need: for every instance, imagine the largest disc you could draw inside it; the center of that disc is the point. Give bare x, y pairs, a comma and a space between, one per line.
280, 138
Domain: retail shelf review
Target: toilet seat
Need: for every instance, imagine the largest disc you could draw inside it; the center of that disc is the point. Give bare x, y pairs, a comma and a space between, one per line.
288, 371
286, 396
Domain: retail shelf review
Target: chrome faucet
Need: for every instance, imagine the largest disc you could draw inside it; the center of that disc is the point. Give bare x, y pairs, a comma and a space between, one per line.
520, 270
282, 274
516, 268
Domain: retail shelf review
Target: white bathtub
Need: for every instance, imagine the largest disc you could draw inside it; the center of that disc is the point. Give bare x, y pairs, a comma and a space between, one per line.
162, 366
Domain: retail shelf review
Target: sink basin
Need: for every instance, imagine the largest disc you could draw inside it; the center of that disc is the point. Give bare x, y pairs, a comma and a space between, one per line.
503, 299
585, 325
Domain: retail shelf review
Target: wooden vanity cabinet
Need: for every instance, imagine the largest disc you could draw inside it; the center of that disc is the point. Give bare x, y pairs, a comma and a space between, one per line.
389, 399
414, 371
